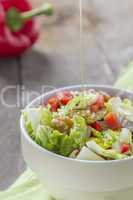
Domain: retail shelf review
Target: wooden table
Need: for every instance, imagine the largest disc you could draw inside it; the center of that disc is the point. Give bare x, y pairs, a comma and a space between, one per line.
54, 61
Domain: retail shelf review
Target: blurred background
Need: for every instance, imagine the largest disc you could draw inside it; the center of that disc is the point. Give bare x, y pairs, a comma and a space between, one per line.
54, 61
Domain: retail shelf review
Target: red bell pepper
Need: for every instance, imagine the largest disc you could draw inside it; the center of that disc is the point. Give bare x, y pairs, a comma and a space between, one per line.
64, 97
18, 28
54, 103
98, 105
125, 148
112, 121
97, 125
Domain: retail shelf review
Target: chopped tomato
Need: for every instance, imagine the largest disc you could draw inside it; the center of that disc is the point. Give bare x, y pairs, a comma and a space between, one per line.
97, 126
125, 148
64, 97
98, 105
112, 121
94, 108
65, 100
54, 102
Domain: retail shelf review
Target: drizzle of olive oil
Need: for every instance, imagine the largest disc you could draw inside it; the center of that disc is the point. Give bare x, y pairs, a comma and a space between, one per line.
81, 43
82, 72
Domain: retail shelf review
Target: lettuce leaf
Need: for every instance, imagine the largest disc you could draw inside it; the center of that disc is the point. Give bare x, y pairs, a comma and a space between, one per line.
48, 138
81, 101
79, 131
87, 99
67, 145
45, 116
32, 117
71, 105
77, 137
35, 116
108, 154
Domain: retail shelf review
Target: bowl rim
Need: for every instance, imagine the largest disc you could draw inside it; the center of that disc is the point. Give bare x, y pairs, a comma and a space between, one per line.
85, 162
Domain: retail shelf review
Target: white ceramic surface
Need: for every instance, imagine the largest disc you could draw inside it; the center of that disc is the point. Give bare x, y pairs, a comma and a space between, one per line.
68, 179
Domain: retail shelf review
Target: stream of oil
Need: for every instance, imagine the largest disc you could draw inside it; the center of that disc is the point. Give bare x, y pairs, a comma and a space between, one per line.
82, 78
81, 49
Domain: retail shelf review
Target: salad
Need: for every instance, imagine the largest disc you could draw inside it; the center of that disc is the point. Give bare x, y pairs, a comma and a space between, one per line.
85, 125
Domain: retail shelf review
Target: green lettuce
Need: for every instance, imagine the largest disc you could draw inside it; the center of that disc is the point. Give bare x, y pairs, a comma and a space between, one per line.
79, 131
108, 154
87, 99
48, 138
34, 117
71, 105
80, 102
54, 141
77, 137
106, 138
45, 116
67, 145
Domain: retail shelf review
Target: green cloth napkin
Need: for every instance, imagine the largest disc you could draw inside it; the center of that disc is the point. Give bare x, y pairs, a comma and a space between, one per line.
126, 79
27, 187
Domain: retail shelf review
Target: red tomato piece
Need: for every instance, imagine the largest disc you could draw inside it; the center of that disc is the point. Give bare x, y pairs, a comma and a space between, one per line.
95, 108
97, 126
54, 102
125, 148
112, 120
99, 104
100, 101
65, 100
64, 97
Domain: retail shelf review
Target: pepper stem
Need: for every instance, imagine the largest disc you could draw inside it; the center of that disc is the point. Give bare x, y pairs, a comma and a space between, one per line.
46, 9
15, 20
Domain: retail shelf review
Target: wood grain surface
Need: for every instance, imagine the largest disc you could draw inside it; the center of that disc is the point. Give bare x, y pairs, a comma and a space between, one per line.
54, 62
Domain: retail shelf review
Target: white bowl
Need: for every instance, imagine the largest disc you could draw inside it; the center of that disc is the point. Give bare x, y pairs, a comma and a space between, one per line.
69, 179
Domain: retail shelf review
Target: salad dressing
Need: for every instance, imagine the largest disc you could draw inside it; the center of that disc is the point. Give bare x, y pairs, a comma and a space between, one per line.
81, 61
81, 43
